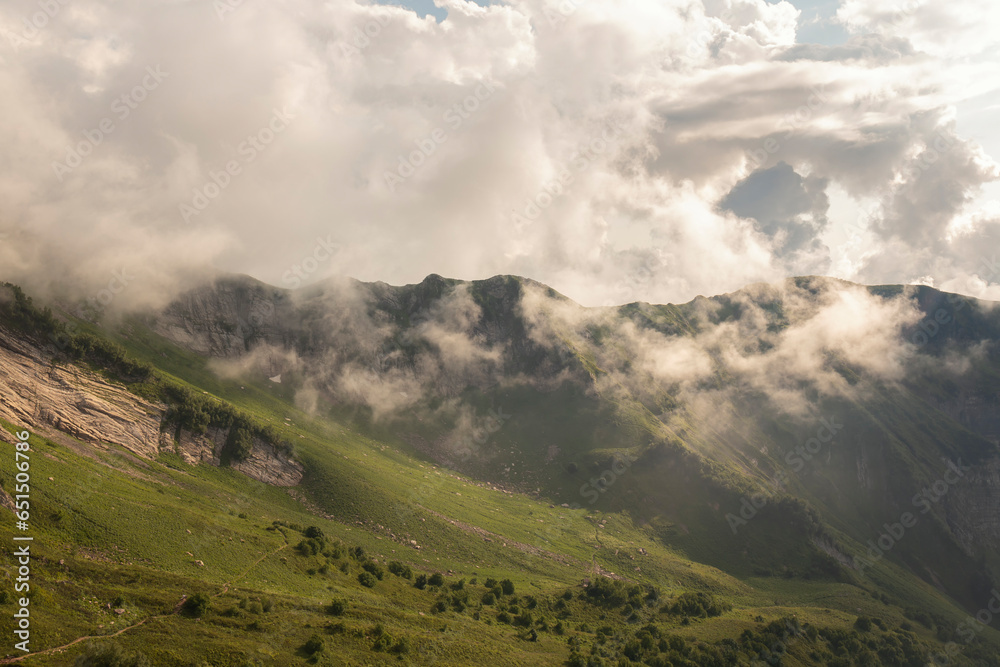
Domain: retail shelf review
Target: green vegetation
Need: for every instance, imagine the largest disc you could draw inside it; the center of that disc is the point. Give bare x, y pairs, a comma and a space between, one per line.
479, 574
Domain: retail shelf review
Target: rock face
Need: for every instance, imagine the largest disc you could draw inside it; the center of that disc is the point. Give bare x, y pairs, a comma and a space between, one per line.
38, 394
44, 397
226, 318
980, 414
265, 464
974, 507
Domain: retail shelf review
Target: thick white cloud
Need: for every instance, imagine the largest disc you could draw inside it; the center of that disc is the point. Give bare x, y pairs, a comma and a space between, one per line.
593, 143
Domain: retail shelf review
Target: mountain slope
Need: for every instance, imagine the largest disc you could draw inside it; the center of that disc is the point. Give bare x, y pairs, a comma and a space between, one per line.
527, 428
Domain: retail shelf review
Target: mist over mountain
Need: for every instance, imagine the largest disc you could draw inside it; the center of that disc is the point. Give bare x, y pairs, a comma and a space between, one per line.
779, 453
720, 398
520, 333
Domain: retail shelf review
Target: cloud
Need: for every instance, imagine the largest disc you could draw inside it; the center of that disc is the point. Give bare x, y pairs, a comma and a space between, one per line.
358, 345
789, 342
620, 125
787, 209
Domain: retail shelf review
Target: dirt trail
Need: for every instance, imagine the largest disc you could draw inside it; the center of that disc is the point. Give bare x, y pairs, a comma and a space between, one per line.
177, 609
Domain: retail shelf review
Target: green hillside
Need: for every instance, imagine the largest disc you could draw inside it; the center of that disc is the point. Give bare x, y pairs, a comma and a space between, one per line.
590, 528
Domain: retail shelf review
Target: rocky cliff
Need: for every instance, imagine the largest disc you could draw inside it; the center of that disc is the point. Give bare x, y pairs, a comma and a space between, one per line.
57, 399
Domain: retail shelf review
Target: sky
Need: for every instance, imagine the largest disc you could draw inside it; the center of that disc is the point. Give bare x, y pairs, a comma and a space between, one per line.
617, 150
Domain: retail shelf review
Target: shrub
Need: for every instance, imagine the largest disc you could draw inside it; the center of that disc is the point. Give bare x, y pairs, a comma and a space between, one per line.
313, 645
309, 547
314, 532
524, 620
402, 646
197, 605
606, 592
507, 586
367, 579
400, 570
436, 579
488, 598
700, 605
337, 608
374, 569
239, 444
420, 582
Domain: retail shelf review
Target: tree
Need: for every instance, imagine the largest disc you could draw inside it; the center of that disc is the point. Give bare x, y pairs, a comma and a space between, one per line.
241, 445
436, 579
507, 586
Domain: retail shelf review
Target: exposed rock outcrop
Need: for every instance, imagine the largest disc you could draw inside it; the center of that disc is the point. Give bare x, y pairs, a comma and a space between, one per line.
47, 397
39, 394
266, 463
974, 507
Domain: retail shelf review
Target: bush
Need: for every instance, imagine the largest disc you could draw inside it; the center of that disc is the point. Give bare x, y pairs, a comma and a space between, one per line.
337, 608
420, 582
699, 605
197, 605
606, 592
309, 547
367, 579
507, 586
314, 532
436, 579
239, 444
314, 645
488, 598
400, 570
374, 569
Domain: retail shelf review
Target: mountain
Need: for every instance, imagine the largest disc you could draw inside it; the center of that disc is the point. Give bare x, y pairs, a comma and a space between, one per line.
802, 473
